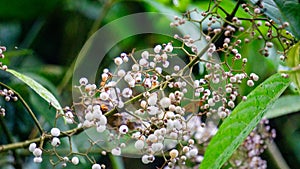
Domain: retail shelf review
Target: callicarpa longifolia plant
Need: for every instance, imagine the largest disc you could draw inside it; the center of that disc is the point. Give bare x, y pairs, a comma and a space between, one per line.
149, 104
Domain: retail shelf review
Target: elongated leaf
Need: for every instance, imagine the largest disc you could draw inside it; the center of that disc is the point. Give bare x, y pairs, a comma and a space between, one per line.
283, 106
242, 121
38, 88
293, 61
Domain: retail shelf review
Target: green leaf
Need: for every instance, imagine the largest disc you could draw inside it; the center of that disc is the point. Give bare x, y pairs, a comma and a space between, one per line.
90, 9
293, 61
283, 106
242, 121
284, 11
116, 162
26, 9
38, 88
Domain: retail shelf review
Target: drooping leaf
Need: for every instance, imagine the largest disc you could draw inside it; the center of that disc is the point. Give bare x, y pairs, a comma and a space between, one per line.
283, 106
284, 11
242, 121
293, 61
38, 88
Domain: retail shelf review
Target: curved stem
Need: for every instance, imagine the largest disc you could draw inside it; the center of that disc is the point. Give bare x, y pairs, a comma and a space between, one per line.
37, 123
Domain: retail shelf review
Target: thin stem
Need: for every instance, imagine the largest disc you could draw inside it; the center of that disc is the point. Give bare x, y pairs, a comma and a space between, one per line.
253, 19
196, 59
229, 18
45, 137
276, 156
227, 22
189, 65
37, 123
223, 10
101, 16
33, 32
69, 73
134, 99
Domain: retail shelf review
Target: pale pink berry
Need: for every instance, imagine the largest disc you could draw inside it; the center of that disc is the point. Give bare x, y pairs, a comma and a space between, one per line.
37, 152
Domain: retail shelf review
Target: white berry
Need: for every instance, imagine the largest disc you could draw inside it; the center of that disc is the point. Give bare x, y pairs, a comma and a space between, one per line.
32, 146
55, 132
75, 160
96, 166
37, 152
37, 159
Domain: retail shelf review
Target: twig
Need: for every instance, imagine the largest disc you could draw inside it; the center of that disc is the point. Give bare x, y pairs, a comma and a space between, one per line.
69, 73
37, 123
101, 16
45, 137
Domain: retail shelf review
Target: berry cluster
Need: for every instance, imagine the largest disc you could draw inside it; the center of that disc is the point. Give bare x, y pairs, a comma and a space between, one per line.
8, 95
63, 160
153, 105
248, 154
150, 104
234, 30
37, 152
2, 49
